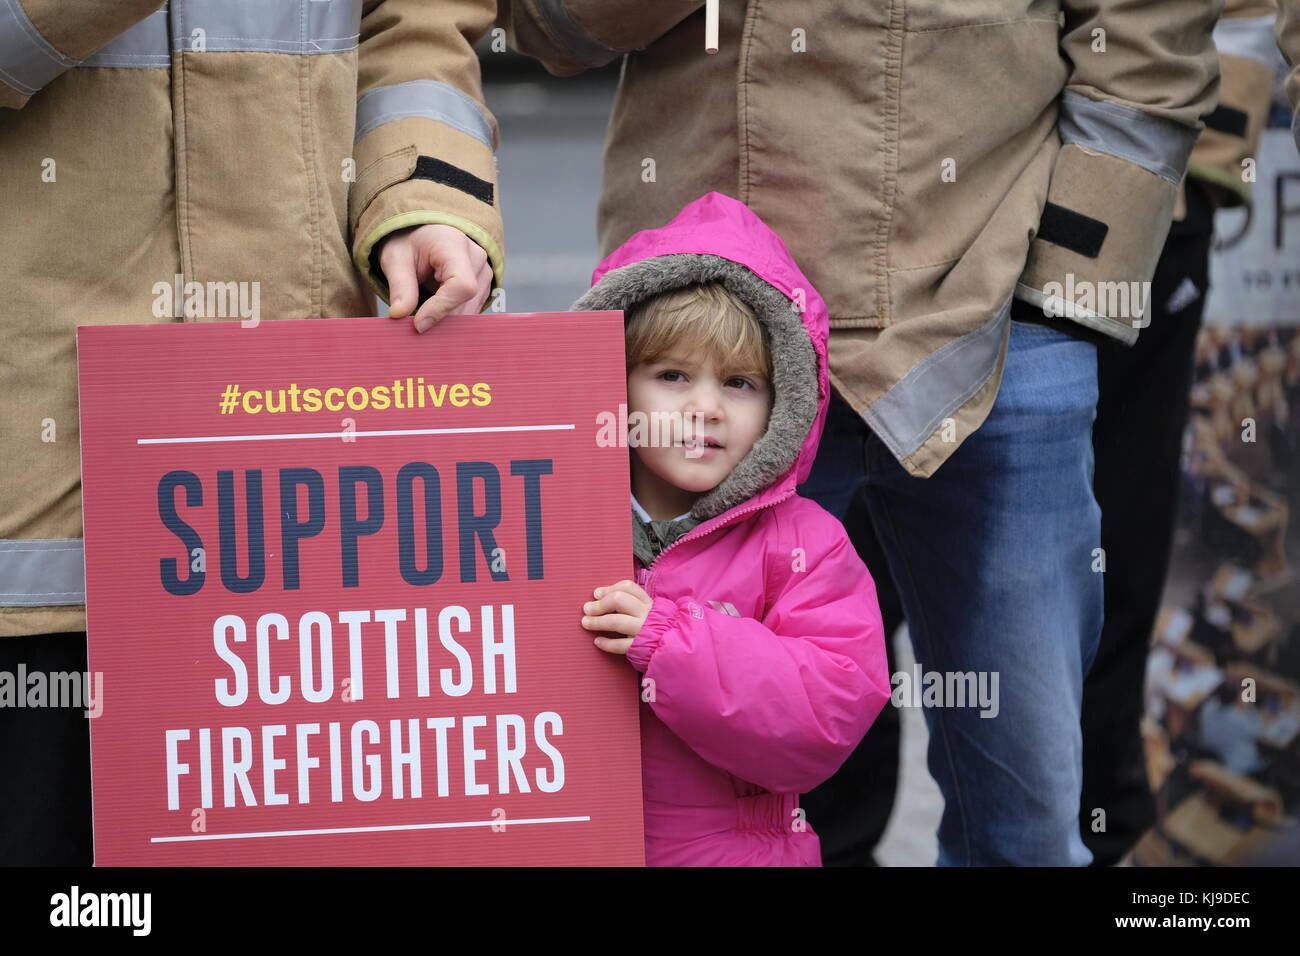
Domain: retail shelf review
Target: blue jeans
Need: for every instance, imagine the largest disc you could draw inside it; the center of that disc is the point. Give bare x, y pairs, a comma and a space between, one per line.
994, 561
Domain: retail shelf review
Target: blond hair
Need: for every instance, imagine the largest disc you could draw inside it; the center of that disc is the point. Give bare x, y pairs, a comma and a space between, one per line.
703, 319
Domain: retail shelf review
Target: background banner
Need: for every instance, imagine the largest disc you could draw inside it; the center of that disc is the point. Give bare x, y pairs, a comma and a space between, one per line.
1221, 729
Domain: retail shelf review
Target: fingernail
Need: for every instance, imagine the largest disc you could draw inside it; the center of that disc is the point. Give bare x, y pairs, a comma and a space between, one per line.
599, 591
587, 606
586, 621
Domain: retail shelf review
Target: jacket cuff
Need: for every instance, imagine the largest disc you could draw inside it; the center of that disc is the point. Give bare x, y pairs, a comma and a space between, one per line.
1108, 210
622, 25
416, 171
366, 261
569, 36
547, 31
1097, 245
1232, 131
662, 616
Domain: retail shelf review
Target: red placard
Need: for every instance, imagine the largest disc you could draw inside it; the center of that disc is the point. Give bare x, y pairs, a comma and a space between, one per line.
336, 630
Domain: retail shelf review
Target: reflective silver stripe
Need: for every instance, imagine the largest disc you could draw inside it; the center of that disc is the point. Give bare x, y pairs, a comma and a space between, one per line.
429, 99
266, 26
143, 46
1156, 144
588, 51
234, 26
1248, 37
27, 60
39, 573
906, 415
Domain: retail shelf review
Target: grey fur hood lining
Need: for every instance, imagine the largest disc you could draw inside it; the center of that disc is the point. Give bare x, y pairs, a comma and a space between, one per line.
794, 362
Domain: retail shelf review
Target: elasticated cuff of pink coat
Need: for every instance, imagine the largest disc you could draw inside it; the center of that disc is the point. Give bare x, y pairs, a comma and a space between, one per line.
663, 614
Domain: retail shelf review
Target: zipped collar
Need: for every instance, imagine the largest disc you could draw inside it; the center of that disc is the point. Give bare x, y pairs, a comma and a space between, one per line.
726, 519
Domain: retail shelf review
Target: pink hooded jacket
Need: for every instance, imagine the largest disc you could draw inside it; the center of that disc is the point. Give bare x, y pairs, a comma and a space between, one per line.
763, 657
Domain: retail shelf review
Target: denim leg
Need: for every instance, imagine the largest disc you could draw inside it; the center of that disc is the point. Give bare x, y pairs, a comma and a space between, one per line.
994, 558
837, 472
851, 810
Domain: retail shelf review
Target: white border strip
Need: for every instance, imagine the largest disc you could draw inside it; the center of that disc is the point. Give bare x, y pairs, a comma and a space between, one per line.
337, 434
377, 829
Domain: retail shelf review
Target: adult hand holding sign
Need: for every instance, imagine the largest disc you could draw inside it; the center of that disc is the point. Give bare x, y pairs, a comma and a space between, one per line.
457, 265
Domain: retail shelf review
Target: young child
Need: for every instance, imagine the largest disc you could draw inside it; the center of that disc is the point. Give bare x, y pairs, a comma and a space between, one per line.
752, 621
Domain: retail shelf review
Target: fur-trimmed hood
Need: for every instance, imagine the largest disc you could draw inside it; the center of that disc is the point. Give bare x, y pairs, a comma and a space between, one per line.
718, 238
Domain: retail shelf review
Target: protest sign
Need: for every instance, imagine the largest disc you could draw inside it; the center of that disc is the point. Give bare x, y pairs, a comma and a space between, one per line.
335, 572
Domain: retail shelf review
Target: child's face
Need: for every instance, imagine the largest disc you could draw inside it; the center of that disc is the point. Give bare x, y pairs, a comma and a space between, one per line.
708, 418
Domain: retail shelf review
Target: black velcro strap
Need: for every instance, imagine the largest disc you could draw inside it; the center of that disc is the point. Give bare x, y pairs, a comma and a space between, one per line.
426, 167
1225, 119
1072, 230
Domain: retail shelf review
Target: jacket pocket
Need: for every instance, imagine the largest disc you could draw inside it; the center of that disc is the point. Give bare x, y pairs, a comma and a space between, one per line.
387, 170
816, 141
969, 129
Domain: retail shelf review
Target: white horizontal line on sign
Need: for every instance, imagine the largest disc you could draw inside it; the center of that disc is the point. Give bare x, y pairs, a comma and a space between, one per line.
403, 431
413, 826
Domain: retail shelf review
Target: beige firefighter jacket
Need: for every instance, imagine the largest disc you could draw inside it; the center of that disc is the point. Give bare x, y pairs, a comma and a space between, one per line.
925, 160
236, 144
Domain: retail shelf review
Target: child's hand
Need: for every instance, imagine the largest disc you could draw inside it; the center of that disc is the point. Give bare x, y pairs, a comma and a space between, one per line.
621, 608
